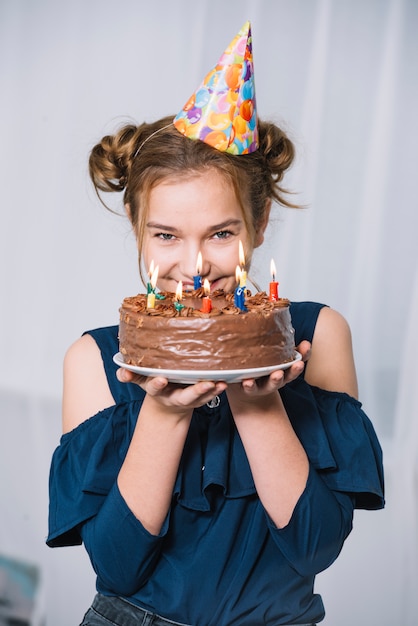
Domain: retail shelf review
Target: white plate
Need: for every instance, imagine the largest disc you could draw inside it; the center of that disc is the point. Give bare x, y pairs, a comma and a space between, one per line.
193, 376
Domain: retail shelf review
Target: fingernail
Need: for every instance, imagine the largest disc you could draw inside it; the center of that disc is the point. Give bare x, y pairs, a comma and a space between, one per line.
207, 386
121, 374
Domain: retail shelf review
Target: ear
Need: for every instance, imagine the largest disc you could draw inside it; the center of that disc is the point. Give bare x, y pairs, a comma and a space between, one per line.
259, 235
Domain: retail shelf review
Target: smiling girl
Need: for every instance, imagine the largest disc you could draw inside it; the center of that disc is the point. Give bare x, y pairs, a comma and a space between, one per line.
193, 513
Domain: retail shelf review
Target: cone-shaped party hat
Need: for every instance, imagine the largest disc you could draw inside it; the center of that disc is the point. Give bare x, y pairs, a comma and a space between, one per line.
222, 111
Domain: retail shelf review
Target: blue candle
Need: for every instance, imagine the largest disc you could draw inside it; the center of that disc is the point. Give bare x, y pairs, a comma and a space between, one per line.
239, 298
197, 280
239, 293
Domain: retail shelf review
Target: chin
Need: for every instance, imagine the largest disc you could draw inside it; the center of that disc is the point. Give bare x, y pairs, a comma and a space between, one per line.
228, 285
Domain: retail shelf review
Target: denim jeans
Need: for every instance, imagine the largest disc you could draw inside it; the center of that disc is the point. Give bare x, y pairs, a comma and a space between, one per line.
112, 611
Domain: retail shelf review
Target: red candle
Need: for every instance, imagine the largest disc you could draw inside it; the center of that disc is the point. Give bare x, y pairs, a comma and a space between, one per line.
206, 301
274, 285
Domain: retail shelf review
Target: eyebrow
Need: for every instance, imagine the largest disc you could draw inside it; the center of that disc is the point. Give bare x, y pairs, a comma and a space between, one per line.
213, 228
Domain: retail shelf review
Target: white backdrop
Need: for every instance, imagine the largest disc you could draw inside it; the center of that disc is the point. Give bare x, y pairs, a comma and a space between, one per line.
341, 75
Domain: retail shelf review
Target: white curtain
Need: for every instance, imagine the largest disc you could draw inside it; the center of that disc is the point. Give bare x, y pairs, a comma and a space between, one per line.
341, 75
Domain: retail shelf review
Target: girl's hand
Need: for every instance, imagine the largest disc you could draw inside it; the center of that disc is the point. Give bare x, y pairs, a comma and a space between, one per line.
305, 350
255, 388
188, 397
179, 398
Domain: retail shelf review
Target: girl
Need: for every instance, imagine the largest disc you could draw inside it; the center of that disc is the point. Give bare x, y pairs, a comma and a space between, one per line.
196, 512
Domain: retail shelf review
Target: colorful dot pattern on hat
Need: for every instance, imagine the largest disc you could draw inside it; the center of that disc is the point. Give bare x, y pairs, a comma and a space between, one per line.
222, 111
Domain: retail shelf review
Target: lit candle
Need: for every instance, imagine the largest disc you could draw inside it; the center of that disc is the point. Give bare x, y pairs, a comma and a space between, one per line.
274, 285
151, 292
150, 272
179, 294
197, 280
237, 278
243, 275
239, 293
206, 301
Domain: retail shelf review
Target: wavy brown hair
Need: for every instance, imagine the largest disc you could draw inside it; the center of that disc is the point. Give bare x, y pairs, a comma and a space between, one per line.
137, 158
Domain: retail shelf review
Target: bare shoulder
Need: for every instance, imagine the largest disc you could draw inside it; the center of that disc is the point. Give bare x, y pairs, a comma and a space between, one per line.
86, 390
331, 365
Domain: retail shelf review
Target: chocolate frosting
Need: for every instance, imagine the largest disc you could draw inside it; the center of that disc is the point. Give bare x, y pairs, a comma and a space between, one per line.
224, 339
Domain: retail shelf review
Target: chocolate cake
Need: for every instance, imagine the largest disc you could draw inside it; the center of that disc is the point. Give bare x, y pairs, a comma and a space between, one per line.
179, 336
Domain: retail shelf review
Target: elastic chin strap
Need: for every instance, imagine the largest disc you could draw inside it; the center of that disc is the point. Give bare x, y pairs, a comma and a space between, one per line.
254, 284
150, 137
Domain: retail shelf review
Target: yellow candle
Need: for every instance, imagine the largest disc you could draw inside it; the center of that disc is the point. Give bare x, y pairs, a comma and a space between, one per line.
243, 278
243, 274
151, 291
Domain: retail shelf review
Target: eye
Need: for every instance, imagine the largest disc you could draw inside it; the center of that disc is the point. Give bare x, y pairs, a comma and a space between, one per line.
165, 236
223, 234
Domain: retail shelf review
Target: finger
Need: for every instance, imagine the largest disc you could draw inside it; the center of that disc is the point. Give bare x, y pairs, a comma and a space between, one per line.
266, 384
200, 393
304, 348
123, 375
126, 376
294, 371
205, 391
249, 385
277, 378
150, 385
155, 385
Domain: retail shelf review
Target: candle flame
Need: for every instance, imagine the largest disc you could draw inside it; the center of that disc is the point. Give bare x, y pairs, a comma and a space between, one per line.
206, 287
237, 273
273, 269
154, 277
151, 268
179, 291
241, 254
199, 263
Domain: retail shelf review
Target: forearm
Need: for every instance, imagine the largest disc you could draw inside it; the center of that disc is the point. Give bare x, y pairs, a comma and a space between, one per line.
320, 523
149, 471
123, 553
277, 459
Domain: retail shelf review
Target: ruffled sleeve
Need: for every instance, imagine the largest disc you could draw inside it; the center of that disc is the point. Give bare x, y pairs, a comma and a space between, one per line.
84, 469
339, 440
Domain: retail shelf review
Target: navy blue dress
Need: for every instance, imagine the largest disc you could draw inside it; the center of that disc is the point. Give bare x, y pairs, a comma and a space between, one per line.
218, 560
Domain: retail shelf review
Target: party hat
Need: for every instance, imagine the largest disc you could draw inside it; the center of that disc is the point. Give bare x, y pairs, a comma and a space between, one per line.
222, 111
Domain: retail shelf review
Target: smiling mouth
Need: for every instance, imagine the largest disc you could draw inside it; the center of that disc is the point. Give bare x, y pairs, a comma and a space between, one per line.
189, 286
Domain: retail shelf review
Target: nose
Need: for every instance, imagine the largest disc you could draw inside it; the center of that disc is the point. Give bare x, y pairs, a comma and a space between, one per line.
189, 262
